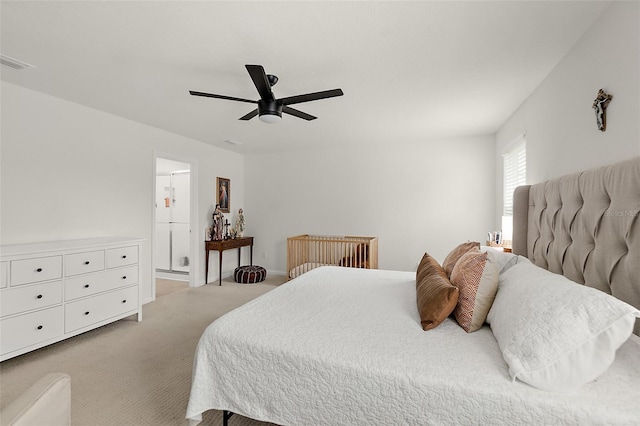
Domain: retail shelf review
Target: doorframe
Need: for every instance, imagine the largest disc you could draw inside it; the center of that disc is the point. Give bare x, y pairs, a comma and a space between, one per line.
194, 258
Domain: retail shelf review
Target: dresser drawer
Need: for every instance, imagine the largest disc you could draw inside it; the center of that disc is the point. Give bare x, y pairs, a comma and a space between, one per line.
87, 285
30, 329
29, 297
85, 312
35, 270
122, 256
4, 274
82, 263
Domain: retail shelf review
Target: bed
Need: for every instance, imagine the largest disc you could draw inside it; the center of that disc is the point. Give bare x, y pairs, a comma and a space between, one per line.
346, 345
306, 252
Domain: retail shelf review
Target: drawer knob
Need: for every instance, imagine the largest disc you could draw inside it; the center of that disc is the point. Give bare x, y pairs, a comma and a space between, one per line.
39, 270
124, 301
124, 256
87, 262
86, 286
39, 296
39, 327
86, 313
124, 277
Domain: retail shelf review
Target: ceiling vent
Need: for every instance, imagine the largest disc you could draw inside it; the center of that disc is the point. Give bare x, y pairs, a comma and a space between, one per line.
14, 63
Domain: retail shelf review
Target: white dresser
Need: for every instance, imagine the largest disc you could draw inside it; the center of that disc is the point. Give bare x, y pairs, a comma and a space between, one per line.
55, 290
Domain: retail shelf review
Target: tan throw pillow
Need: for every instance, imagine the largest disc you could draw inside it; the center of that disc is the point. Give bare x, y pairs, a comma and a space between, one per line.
456, 253
476, 276
435, 295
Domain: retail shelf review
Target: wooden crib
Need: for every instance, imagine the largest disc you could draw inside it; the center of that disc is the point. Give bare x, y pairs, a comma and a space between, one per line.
305, 252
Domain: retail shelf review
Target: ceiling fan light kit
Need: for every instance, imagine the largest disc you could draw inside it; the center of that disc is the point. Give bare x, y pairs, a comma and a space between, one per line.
269, 109
270, 118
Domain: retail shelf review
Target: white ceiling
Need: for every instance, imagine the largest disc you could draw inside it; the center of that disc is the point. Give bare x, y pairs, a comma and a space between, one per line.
410, 71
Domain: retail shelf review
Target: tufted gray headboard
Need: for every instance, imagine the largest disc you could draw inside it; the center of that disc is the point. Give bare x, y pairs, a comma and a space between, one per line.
585, 226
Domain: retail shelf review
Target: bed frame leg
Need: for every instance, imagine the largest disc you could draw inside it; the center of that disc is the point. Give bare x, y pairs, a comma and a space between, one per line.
226, 415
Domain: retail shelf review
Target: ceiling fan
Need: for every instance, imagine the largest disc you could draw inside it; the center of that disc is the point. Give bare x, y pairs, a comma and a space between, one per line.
269, 108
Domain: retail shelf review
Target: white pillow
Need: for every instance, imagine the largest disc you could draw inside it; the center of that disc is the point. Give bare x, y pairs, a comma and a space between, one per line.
503, 260
555, 334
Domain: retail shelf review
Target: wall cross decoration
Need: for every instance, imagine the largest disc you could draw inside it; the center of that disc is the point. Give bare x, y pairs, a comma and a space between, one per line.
600, 104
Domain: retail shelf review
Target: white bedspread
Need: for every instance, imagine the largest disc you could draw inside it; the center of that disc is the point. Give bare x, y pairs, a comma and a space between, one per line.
344, 346
305, 267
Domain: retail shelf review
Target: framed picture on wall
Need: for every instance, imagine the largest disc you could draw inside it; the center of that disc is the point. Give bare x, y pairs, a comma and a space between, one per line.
223, 186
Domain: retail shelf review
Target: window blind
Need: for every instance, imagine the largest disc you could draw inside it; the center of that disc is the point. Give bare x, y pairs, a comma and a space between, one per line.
514, 174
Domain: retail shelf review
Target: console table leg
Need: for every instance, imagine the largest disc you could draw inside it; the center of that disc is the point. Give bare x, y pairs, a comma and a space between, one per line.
220, 268
206, 266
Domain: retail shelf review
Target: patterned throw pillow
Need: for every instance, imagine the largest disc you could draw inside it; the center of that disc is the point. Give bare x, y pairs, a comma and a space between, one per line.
435, 295
476, 276
456, 253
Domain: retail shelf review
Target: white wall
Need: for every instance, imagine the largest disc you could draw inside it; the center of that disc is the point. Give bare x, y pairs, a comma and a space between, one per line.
557, 118
69, 172
415, 197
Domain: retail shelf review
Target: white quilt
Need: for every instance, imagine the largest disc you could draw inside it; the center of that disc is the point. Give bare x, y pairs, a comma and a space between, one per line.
305, 267
344, 346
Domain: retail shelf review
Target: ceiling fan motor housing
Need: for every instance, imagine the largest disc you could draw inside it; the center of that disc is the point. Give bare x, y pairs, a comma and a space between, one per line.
269, 107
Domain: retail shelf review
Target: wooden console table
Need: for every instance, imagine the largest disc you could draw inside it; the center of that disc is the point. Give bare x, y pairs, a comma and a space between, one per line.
222, 245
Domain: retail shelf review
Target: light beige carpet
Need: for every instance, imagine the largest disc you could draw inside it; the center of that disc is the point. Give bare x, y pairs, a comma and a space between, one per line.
165, 286
130, 373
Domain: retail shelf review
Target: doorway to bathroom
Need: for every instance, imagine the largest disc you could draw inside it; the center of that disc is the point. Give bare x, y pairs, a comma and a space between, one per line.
172, 225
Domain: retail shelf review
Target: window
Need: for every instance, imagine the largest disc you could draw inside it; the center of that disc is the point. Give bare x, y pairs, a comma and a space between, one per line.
514, 172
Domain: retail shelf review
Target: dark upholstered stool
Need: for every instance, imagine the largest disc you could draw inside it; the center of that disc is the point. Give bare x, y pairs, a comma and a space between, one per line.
249, 274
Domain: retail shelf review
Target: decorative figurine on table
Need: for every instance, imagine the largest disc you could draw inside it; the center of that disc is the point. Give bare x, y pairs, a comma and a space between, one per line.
240, 223
218, 224
226, 229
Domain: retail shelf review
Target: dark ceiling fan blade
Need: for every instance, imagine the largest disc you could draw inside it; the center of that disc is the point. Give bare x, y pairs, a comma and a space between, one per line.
229, 98
259, 78
297, 113
250, 115
311, 97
